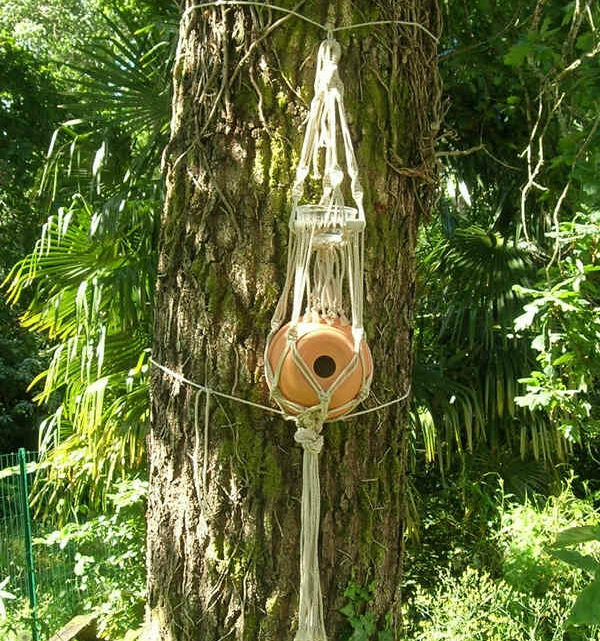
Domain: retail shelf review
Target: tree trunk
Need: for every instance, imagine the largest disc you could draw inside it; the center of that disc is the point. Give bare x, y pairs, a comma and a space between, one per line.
225, 479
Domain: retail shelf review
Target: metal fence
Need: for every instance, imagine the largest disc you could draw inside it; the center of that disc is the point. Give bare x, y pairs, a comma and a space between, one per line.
34, 574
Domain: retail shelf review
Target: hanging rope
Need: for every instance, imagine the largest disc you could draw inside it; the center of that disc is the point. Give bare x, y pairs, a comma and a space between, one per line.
326, 248
326, 252
311, 625
208, 390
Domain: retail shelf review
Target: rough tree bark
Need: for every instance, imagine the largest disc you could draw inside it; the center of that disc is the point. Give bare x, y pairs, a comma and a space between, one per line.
223, 513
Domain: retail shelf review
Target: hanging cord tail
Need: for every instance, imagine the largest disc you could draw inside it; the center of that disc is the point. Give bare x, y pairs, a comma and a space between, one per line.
311, 625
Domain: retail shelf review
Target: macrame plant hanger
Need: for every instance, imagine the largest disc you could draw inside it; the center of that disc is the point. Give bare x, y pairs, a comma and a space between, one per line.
317, 363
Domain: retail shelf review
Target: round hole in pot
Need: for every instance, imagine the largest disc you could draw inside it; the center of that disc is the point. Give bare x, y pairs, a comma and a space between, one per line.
324, 366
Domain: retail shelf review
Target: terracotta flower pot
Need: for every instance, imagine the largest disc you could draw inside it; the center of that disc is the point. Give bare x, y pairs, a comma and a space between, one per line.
326, 348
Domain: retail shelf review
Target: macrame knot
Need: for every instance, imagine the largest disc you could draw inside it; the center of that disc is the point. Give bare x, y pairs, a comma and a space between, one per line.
292, 335
363, 393
310, 440
314, 417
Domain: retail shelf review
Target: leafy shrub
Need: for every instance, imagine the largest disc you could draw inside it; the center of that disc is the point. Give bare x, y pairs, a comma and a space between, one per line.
527, 594
361, 617
565, 315
528, 530
477, 607
110, 561
15, 625
586, 609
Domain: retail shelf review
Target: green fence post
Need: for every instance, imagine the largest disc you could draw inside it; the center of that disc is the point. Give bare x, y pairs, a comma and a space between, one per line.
28, 544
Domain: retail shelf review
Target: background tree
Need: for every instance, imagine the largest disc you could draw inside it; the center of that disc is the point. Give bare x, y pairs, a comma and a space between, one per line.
28, 114
223, 545
93, 269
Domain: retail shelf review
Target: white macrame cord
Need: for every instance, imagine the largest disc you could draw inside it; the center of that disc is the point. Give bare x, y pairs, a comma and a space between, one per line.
326, 247
325, 259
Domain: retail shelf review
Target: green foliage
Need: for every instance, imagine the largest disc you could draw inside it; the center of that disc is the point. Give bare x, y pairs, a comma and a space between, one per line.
19, 364
16, 626
4, 596
51, 615
119, 102
93, 293
109, 570
361, 618
28, 113
90, 278
456, 516
586, 610
58, 29
525, 532
52, 29
523, 82
468, 359
564, 311
475, 607
487, 567
519, 592
110, 562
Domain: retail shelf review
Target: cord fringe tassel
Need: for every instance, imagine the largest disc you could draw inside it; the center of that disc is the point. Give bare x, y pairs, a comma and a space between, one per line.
311, 626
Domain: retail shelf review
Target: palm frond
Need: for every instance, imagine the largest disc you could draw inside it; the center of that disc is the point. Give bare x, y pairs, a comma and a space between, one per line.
468, 359
119, 106
93, 276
